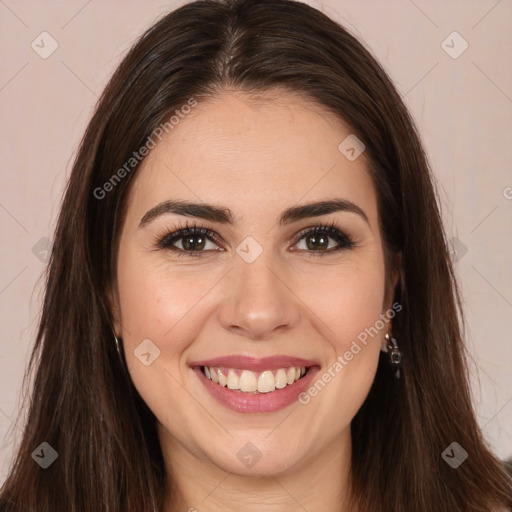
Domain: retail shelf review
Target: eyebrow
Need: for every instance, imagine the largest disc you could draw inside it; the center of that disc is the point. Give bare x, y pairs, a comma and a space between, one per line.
223, 214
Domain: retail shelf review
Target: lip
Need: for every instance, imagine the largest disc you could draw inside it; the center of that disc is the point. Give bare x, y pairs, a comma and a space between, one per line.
249, 403
255, 364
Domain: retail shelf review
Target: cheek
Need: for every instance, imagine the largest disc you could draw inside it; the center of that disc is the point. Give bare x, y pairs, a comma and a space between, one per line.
158, 300
347, 299
359, 305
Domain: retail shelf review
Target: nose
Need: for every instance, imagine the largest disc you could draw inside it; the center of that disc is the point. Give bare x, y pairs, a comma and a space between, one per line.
258, 299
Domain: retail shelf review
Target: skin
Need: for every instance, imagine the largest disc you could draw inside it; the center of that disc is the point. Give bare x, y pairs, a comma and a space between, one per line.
257, 158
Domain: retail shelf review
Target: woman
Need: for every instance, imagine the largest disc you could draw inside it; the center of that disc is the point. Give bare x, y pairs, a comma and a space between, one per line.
240, 311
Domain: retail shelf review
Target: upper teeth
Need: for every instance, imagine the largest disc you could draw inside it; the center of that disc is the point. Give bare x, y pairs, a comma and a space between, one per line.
248, 381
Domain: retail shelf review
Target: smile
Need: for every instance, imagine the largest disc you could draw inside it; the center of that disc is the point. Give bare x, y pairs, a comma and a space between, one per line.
250, 385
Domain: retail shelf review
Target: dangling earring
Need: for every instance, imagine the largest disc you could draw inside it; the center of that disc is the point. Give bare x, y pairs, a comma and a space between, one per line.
395, 356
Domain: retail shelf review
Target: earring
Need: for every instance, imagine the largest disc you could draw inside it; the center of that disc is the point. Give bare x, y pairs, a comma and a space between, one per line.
395, 356
118, 345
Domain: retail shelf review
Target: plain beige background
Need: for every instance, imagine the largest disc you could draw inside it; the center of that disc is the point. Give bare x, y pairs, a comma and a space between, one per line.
461, 100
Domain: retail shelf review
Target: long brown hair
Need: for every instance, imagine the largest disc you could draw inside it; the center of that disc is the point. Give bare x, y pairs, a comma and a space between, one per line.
83, 402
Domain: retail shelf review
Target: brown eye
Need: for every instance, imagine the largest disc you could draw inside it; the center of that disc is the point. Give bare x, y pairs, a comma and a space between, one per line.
193, 242
189, 241
320, 240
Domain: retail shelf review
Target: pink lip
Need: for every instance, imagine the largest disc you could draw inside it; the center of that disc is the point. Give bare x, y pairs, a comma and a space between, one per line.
254, 364
253, 403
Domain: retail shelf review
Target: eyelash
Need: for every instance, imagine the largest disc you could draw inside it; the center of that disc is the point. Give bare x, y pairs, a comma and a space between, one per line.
166, 241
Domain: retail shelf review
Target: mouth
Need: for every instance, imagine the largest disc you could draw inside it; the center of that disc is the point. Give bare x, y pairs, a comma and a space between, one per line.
249, 385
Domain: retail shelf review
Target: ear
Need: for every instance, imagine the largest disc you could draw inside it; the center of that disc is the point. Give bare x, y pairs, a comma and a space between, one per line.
114, 309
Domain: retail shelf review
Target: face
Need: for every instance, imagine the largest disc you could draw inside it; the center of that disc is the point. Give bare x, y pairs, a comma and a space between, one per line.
261, 285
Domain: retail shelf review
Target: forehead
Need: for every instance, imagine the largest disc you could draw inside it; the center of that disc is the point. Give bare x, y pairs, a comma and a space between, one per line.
256, 155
